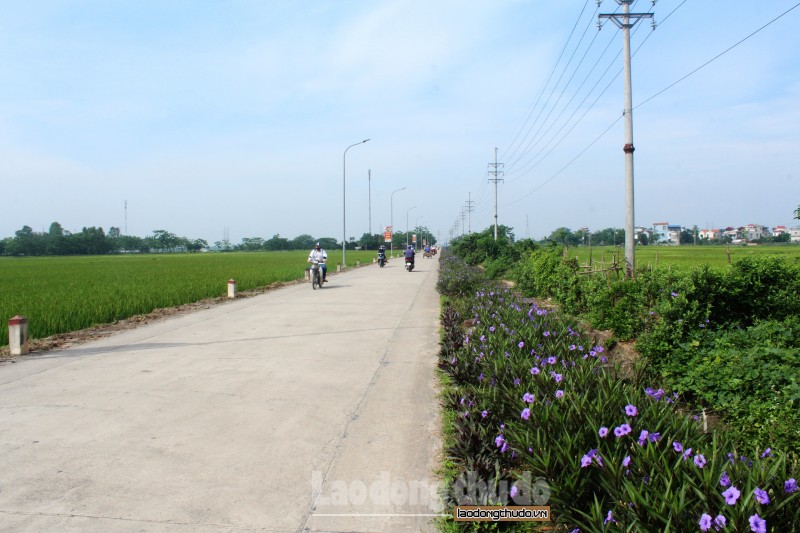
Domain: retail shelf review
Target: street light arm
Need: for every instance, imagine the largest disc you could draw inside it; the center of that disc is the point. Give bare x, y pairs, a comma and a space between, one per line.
344, 202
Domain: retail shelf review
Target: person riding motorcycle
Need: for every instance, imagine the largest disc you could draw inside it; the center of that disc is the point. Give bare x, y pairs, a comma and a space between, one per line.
319, 255
410, 253
382, 253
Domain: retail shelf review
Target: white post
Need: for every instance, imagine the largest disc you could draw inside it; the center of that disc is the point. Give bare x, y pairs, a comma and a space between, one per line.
18, 335
231, 288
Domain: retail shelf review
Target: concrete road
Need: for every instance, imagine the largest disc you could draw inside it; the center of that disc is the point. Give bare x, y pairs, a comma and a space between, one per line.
292, 411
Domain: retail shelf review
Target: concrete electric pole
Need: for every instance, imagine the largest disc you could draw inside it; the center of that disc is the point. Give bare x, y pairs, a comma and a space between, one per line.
625, 21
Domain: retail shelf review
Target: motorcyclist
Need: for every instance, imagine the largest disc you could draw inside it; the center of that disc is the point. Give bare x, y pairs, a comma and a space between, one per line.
410, 253
381, 252
319, 255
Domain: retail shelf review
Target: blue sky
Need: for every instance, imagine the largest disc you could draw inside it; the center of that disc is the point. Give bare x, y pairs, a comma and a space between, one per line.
207, 115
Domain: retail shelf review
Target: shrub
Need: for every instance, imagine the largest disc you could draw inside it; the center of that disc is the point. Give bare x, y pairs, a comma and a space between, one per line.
533, 395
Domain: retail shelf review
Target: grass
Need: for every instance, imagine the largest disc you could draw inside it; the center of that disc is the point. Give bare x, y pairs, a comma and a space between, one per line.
62, 294
686, 255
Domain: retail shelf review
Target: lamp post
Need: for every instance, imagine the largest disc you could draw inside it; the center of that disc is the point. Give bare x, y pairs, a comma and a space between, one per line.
416, 225
407, 212
391, 219
344, 202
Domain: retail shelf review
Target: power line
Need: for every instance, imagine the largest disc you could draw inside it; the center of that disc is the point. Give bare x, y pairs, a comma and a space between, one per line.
718, 55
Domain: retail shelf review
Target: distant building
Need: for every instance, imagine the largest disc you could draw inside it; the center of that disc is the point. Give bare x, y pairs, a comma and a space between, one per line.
754, 232
664, 232
794, 233
777, 231
710, 234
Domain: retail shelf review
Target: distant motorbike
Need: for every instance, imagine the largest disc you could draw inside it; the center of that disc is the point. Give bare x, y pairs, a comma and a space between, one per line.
409, 263
382, 259
316, 275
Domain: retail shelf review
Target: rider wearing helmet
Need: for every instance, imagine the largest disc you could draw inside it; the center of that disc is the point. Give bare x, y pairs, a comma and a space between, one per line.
319, 255
410, 253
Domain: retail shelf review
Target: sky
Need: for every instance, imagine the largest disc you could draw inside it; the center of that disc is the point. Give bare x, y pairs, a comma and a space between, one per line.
214, 118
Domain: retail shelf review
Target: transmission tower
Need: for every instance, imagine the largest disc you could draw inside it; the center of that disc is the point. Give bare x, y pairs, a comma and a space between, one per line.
495, 172
470, 209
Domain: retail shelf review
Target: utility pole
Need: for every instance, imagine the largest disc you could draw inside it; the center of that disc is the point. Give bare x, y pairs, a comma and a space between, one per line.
463, 217
470, 208
369, 203
496, 172
126, 217
625, 21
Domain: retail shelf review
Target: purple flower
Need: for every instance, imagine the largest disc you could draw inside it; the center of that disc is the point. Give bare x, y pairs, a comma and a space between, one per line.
535, 371
705, 522
720, 521
758, 524
731, 495
585, 461
654, 437
526, 414
674, 294
687, 453
516, 381
527, 397
504, 448
551, 360
521, 344
725, 480
557, 377
514, 491
622, 430
677, 446
761, 496
480, 378
631, 410
484, 413
767, 453
643, 437
700, 460
483, 338
790, 486
499, 440
559, 393
626, 461
603, 432
609, 517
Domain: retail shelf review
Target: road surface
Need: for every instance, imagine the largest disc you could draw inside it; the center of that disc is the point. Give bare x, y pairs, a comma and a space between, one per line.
292, 411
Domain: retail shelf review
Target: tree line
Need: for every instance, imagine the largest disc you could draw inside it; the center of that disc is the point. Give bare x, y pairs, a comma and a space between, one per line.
95, 241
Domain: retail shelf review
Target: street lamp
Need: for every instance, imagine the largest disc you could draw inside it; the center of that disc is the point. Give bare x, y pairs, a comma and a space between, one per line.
416, 225
391, 219
407, 212
344, 201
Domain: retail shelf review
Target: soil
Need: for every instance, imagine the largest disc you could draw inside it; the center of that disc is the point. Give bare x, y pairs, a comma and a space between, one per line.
73, 338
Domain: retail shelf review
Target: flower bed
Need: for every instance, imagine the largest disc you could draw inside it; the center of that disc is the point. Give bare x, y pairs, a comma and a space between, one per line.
541, 416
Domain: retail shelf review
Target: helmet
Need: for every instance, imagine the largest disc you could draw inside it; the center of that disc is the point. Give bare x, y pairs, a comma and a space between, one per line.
410, 247
317, 246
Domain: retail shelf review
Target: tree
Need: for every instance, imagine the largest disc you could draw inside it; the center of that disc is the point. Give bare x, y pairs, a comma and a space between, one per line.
564, 236
302, 242
277, 243
687, 236
643, 240
251, 244
196, 245
797, 213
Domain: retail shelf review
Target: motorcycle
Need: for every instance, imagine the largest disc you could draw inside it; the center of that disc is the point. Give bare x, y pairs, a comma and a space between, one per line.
381, 259
316, 275
409, 263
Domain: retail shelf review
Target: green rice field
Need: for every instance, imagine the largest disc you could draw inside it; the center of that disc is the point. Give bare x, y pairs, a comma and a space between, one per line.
686, 255
62, 294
